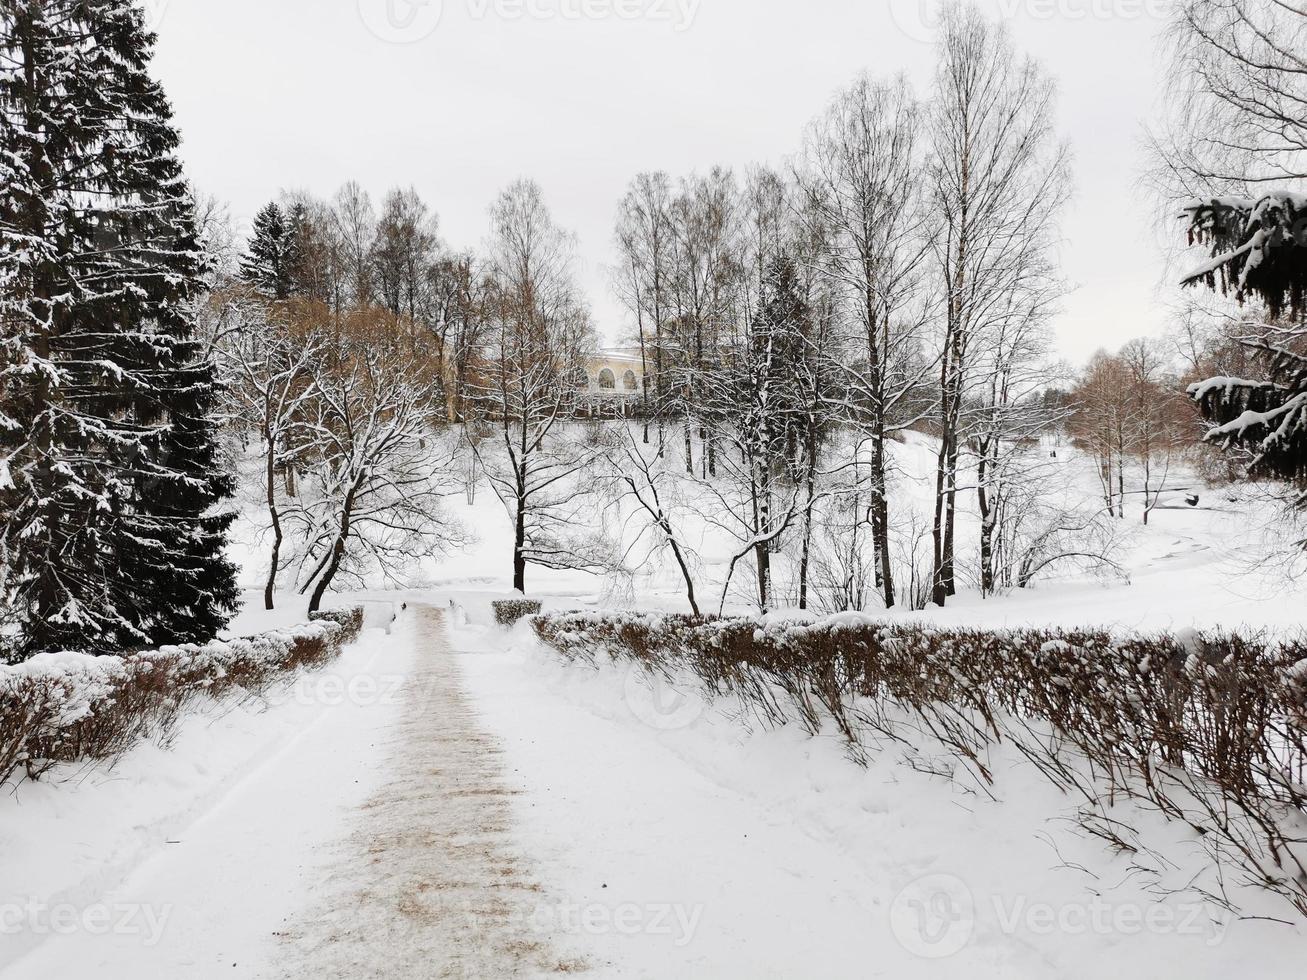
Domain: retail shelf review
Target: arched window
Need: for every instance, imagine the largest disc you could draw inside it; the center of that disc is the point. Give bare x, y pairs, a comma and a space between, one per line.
606, 380
629, 382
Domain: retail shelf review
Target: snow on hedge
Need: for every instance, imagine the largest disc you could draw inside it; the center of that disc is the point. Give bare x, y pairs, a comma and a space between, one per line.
63, 707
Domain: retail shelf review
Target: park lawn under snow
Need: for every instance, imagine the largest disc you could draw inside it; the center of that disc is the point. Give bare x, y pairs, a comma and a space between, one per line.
1199, 567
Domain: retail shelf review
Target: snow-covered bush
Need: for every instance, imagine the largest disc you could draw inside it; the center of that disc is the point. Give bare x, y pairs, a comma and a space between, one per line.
509, 611
1211, 729
351, 619
67, 707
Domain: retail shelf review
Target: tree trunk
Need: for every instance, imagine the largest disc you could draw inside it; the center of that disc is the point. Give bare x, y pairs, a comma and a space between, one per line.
685, 568
277, 536
519, 543
939, 593
806, 553
880, 522
1120, 482
337, 550
986, 526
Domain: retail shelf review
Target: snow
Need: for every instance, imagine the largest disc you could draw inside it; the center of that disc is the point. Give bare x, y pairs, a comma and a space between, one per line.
669, 837
195, 850
779, 858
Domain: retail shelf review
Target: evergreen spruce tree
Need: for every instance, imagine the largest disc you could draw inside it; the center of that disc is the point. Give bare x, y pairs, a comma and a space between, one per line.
108, 457
1258, 253
272, 261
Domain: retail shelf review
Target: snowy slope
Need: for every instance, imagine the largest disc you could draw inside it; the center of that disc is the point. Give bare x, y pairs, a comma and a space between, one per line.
759, 855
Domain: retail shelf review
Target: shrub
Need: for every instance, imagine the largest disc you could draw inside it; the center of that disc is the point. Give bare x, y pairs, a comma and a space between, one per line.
70, 707
508, 612
1211, 729
350, 619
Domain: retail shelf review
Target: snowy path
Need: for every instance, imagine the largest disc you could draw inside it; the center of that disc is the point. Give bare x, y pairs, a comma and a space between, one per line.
374, 841
429, 883
711, 882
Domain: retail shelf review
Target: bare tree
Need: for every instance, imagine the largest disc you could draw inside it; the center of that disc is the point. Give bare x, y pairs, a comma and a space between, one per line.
403, 253
758, 402
705, 293
375, 503
1238, 103
1164, 421
460, 297
860, 174
356, 228
998, 180
1010, 417
1103, 423
272, 384
644, 479
644, 241
538, 339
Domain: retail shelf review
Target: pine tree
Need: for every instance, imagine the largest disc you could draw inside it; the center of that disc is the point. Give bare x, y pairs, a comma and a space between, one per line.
108, 455
1259, 254
273, 258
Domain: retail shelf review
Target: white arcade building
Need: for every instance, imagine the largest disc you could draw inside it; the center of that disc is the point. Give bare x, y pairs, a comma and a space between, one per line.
614, 381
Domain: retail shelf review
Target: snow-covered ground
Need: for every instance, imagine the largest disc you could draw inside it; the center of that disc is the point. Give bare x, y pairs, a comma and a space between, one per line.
182, 860
751, 854
651, 835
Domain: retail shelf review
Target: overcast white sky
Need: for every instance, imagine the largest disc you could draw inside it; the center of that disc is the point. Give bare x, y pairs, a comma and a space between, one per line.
583, 94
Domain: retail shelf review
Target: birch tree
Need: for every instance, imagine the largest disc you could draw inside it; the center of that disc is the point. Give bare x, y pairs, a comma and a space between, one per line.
645, 246
860, 174
998, 179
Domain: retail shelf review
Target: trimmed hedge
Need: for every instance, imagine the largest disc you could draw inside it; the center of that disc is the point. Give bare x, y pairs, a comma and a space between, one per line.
1210, 728
351, 619
70, 707
508, 612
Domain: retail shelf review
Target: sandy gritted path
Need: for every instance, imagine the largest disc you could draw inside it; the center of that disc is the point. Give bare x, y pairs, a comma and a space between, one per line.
428, 884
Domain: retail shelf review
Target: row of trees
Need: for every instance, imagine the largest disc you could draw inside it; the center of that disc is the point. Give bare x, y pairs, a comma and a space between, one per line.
371, 365
901, 274
1129, 411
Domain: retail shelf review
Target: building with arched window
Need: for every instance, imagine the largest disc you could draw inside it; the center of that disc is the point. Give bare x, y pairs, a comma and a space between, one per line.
613, 383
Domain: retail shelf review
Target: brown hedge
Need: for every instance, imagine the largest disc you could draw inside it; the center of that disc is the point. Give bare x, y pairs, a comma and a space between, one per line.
1211, 728
58, 708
